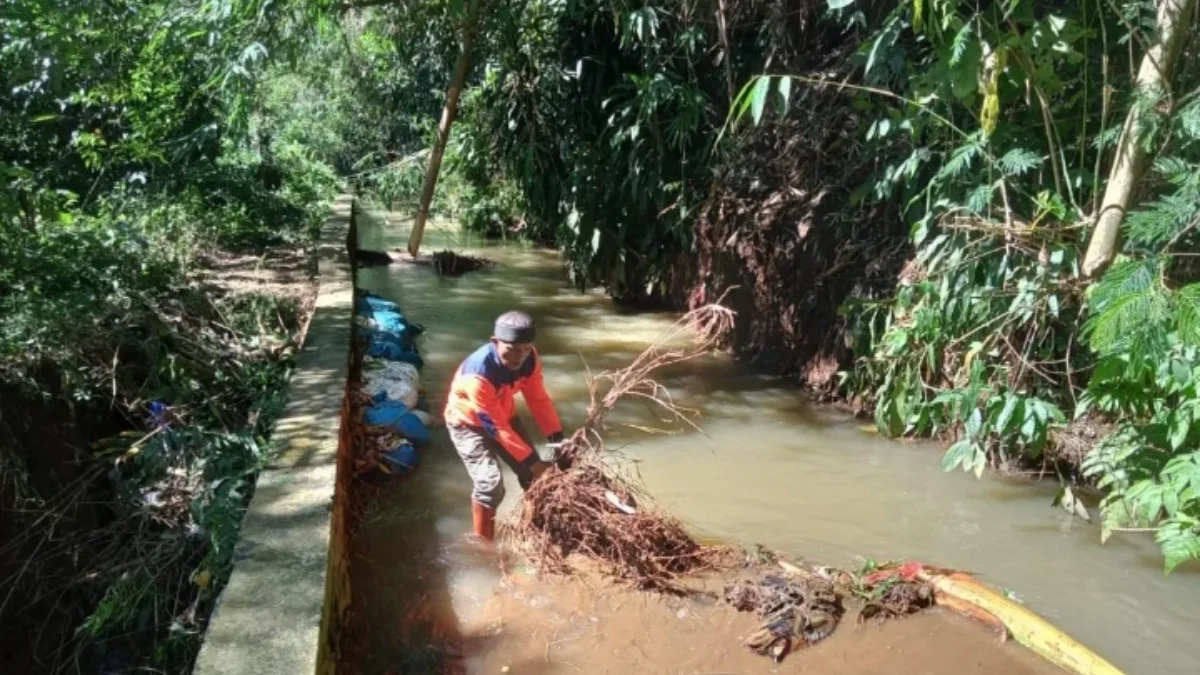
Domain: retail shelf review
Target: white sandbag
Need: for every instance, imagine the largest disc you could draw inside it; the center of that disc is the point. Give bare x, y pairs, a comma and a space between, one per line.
401, 372
394, 390
425, 417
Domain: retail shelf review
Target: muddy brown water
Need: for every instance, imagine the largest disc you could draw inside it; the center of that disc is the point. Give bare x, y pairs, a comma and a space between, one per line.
769, 469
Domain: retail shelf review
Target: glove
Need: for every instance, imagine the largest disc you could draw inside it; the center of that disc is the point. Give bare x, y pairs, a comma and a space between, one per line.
555, 442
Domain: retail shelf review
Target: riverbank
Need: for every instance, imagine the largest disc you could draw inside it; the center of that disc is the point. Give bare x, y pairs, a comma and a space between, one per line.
129, 496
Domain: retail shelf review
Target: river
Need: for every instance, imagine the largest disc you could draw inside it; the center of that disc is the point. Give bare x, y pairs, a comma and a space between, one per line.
769, 468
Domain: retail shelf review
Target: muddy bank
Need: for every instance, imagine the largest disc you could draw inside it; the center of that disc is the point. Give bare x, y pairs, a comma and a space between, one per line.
589, 626
781, 236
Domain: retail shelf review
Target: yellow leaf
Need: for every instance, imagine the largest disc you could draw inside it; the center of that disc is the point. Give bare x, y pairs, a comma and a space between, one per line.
918, 15
989, 113
202, 578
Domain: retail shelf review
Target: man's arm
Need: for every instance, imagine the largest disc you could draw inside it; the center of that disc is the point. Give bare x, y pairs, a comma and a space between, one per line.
544, 414
481, 397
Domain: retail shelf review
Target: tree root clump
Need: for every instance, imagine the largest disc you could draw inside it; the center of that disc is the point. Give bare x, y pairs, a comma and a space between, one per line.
588, 507
590, 511
795, 612
450, 264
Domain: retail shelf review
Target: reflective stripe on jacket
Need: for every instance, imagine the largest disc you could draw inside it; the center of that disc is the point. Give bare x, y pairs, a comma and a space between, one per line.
481, 396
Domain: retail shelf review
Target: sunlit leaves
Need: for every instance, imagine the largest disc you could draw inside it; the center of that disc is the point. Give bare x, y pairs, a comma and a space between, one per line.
1019, 161
1129, 309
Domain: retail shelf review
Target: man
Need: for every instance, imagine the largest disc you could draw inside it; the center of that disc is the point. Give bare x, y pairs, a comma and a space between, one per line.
481, 416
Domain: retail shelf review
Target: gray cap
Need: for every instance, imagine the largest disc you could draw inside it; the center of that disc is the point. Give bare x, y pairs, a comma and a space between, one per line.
514, 327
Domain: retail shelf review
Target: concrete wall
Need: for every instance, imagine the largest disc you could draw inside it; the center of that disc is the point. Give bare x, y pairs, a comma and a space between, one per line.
280, 610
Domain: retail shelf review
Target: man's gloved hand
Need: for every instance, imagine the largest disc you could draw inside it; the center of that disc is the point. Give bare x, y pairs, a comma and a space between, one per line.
555, 443
538, 469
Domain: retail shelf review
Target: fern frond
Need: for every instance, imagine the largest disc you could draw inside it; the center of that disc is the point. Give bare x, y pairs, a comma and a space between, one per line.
1161, 220
1189, 121
961, 159
1129, 306
1187, 313
962, 39
1175, 169
979, 198
1019, 161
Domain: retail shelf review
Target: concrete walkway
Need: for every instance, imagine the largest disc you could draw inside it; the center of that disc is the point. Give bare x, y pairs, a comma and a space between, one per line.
269, 618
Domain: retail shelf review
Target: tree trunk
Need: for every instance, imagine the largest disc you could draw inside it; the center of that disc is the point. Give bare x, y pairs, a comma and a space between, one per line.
461, 67
1154, 74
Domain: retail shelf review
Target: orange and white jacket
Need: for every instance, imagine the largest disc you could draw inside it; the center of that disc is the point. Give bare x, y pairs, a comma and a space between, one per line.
481, 396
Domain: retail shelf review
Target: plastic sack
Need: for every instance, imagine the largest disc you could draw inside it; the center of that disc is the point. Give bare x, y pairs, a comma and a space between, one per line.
369, 303
391, 322
396, 416
402, 335
381, 388
425, 417
401, 459
394, 370
383, 348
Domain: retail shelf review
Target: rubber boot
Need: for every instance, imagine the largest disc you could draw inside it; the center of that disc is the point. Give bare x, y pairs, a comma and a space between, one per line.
484, 519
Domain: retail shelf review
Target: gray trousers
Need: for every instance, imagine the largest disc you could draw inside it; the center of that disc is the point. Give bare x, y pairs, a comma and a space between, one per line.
480, 454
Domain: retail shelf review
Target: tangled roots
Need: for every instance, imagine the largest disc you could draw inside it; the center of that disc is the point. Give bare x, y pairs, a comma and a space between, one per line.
588, 508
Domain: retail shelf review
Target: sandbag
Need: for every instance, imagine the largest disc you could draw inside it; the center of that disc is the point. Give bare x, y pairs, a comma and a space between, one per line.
369, 303
401, 335
383, 346
391, 322
393, 370
397, 417
381, 388
425, 417
401, 459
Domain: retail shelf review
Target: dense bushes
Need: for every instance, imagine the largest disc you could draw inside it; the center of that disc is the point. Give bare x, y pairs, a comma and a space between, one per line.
138, 382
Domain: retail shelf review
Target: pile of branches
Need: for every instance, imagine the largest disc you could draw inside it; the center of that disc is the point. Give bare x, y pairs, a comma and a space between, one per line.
450, 264
589, 507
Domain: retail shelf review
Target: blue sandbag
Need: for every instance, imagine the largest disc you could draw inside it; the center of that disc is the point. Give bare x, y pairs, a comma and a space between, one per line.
403, 338
385, 413
401, 459
395, 415
381, 348
392, 322
369, 303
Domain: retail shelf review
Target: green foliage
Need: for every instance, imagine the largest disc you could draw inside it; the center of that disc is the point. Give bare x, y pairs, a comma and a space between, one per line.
597, 113
1145, 331
1007, 118
138, 137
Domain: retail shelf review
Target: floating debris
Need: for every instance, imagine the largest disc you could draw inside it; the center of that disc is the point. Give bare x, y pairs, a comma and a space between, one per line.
796, 612
897, 600
450, 264
364, 257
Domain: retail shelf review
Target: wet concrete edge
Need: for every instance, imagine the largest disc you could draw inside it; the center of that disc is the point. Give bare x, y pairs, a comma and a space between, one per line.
281, 606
